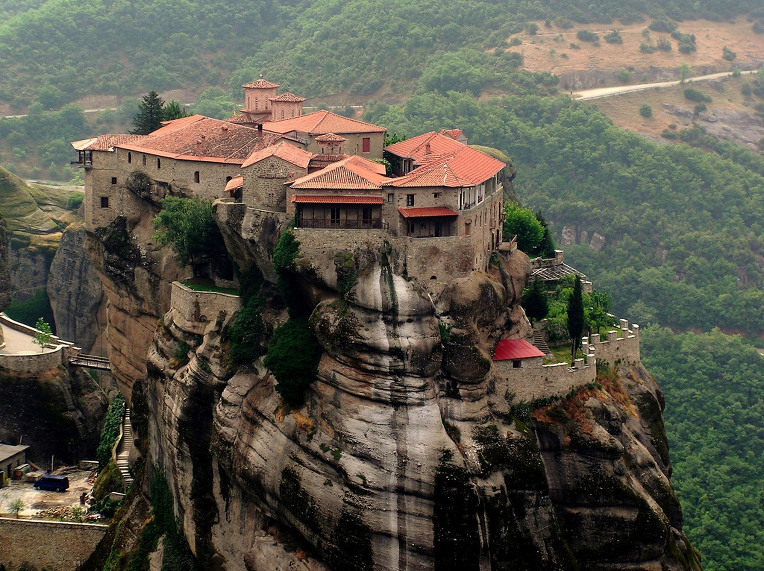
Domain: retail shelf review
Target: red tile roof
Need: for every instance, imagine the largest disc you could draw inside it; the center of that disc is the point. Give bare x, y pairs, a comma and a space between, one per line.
512, 349
282, 150
352, 173
320, 123
235, 182
104, 142
426, 212
336, 199
287, 96
330, 138
260, 84
453, 133
426, 143
443, 162
199, 138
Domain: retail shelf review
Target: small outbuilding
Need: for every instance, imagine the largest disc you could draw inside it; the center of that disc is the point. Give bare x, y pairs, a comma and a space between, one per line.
518, 352
11, 457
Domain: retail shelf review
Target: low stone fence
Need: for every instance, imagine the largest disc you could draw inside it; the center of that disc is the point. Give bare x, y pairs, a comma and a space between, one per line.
53, 545
614, 349
193, 310
59, 352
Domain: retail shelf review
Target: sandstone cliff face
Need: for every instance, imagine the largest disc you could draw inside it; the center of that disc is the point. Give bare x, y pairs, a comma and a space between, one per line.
408, 452
5, 271
75, 292
135, 277
57, 412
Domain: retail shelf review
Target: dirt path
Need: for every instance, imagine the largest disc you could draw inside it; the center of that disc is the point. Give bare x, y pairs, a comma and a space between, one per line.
588, 94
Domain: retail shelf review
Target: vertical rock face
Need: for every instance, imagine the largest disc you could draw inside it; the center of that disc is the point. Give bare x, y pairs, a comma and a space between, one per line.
75, 291
5, 273
408, 452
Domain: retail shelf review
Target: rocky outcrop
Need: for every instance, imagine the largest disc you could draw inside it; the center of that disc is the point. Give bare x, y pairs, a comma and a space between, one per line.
58, 412
75, 292
408, 452
136, 277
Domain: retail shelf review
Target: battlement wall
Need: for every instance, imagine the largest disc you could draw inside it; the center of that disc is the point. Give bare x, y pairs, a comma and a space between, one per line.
537, 381
614, 349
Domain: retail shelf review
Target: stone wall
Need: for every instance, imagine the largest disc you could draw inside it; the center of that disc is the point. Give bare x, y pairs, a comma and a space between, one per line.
195, 310
58, 352
264, 183
541, 381
53, 545
614, 349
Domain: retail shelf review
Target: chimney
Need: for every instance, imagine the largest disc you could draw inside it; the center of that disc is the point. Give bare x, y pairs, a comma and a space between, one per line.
427, 149
259, 130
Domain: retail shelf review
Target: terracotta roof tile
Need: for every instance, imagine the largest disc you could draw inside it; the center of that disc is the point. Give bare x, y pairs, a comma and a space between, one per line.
426, 212
330, 138
199, 138
287, 96
320, 123
443, 162
260, 84
511, 349
235, 182
105, 142
335, 199
282, 150
352, 173
453, 133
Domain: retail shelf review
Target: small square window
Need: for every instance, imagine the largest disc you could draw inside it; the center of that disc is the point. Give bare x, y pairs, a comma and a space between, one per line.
436, 195
409, 200
516, 364
114, 180
104, 202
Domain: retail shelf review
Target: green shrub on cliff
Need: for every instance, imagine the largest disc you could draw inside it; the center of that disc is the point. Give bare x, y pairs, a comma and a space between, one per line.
110, 431
292, 357
187, 225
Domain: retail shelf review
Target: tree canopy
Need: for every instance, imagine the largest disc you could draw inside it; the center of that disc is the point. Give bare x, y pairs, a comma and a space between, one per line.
187, 225
150, 114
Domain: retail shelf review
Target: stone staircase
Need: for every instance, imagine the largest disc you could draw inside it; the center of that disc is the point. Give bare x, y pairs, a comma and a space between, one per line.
539, 342
125, 447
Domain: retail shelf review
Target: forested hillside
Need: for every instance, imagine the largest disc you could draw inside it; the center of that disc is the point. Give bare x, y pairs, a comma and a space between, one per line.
55, 51
684, 228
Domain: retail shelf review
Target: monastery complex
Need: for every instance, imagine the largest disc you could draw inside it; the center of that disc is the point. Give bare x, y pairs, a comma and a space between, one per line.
319, 169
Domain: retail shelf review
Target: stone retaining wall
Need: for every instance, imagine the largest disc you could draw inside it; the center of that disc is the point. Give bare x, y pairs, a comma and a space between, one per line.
52, 545
614, 349
193, 310
37, 362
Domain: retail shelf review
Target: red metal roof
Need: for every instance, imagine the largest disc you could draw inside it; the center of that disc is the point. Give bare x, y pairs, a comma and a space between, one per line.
512, 349
315, 199
427, 211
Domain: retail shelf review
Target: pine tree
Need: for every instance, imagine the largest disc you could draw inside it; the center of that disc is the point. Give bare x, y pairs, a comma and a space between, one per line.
150, 114
575, 319
174, 110
546, 247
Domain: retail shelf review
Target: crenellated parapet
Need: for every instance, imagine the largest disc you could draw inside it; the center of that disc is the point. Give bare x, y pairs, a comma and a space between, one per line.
620, 346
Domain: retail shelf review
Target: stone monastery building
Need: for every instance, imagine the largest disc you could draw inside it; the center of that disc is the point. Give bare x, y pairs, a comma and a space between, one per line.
318, 168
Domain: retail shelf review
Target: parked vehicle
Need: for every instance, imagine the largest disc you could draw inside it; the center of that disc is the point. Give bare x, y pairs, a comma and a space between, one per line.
51, 482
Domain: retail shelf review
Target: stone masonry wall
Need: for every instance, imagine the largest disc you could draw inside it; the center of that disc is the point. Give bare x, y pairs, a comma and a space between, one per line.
53, 545
614, 349
195, 310
543, 381
35, 362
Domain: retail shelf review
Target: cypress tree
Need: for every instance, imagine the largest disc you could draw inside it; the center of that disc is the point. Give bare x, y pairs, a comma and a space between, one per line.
536, 301
575, 319
150, 114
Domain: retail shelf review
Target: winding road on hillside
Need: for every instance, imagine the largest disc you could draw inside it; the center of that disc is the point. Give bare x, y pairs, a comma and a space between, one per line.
601, 92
